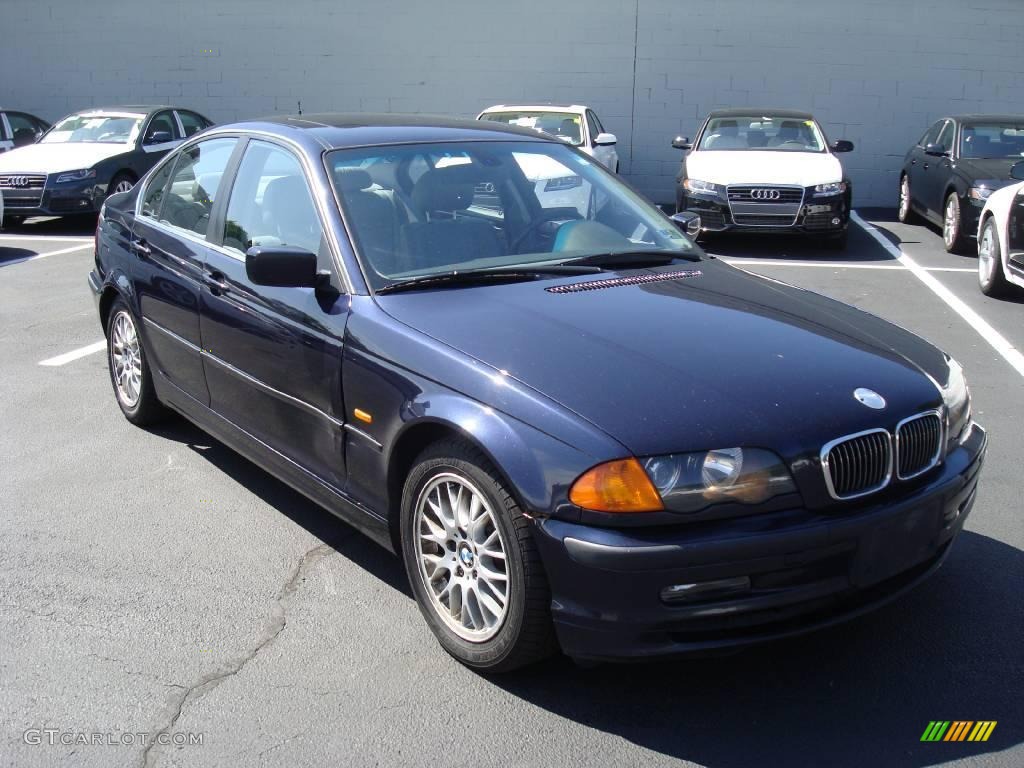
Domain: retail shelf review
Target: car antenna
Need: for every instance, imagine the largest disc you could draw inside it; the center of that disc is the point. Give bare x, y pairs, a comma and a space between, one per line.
300, 107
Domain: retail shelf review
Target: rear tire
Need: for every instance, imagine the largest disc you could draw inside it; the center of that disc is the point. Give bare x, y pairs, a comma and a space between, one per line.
991, 278
952, 224
130, 374
905, 213
472, 562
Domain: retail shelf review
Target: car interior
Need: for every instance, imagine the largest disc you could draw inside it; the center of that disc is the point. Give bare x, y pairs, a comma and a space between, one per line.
420, 213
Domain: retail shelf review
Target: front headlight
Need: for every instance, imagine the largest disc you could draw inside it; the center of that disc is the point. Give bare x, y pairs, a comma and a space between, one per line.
688, 482
833, 188
79, 175
983, 189
957, 398
701, 187
979, 193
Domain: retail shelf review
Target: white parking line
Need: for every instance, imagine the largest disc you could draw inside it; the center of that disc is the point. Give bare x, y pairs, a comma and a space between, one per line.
46, 238
998, 342
74, 354
48, 253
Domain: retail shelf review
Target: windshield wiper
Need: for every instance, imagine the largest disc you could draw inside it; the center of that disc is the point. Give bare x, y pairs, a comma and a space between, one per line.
631, 259
492, 274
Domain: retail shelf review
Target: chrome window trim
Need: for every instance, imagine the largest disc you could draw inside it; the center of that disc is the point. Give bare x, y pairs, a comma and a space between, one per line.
827, 448
937, 458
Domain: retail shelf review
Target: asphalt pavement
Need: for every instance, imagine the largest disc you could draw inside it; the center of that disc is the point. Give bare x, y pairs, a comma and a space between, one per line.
155, 582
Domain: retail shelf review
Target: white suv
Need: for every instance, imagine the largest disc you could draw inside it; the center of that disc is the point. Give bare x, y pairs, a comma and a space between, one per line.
575, 124
765, 171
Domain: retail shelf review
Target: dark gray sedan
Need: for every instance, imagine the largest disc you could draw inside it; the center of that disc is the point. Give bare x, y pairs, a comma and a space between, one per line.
89, 155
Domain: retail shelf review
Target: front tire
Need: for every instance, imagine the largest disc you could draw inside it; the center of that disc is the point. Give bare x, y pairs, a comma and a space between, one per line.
129, 368
122, 182
952, 224
905, 213
991, 278
472, 563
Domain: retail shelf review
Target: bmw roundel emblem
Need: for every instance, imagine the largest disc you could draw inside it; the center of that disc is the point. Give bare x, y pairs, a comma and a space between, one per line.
869, 397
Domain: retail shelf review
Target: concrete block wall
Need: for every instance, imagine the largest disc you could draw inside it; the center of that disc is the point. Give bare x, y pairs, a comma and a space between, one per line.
876, 72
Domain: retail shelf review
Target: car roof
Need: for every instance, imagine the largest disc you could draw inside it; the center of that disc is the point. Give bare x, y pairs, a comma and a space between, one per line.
749, 111
342, 130
980, 118
134, 109
546, 107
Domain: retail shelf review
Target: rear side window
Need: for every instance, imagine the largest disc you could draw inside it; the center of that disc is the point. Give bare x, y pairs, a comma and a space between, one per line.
192, 123
194, 185
271, 203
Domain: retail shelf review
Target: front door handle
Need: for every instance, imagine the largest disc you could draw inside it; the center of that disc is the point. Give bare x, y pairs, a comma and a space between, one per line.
914, 161
216, 282
141, 248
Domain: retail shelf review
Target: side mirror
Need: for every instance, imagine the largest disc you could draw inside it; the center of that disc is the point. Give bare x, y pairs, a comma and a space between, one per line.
681, 142
1017, 171
282, 266
159, 137
688, 221
605, 140
935, 150
842, 145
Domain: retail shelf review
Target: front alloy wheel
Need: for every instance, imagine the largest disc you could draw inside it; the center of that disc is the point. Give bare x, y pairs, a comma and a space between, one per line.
472, 562
951, 236
991, 279
462, 557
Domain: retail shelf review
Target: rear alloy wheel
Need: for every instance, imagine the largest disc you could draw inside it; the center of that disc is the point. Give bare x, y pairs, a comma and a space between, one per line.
129, 370
906, 211
991, 278
952, 237
472, 562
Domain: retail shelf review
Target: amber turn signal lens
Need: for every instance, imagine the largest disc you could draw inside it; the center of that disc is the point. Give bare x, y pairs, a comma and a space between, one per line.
616, 486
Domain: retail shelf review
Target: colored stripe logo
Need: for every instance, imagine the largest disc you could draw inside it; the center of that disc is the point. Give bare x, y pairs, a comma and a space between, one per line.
958, 730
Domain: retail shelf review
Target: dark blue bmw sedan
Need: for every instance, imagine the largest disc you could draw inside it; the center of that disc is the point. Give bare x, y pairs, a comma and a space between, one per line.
492, 356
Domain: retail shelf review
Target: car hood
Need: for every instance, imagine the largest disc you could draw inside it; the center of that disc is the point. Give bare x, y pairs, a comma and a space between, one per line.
752, 167
54, 158
717, 359
986, 168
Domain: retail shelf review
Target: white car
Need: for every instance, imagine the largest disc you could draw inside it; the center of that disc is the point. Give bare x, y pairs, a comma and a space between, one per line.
1001, 238
765, 171
575, 124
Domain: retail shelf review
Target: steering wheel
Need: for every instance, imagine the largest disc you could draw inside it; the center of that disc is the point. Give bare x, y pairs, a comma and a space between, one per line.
546, 217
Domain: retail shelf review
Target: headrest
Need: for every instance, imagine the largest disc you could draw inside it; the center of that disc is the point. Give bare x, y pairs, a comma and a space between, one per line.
728, 124
444, 189
352, 179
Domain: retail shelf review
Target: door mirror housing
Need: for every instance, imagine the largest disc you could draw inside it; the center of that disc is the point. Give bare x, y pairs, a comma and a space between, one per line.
283, 266
681, 142
842, 145
688, 221
935, 150
605, 140
159, 137
1017, 171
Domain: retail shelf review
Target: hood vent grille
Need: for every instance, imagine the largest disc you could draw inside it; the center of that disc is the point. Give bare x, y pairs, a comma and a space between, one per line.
615, 282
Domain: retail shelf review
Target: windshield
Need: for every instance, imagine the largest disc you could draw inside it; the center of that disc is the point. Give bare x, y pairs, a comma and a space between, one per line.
996, 140
95, 129
762, 133
566, 126
426, 209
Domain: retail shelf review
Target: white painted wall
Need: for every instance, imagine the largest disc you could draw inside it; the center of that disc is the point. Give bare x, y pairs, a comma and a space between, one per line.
873, 71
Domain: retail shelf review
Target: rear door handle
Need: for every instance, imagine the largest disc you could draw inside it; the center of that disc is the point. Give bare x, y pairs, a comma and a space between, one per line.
216, 282
141, 248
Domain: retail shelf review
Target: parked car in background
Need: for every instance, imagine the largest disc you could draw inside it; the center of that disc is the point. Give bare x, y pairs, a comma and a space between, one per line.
575, 124
765, 170
89, 155
951, 171
576, 429
18, 129
1001, 238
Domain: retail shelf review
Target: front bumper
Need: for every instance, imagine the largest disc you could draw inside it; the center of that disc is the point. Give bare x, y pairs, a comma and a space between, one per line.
55, 200
816, 216
805, 570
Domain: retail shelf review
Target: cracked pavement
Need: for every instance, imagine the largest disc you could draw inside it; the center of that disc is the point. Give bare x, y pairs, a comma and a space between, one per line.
156, 582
